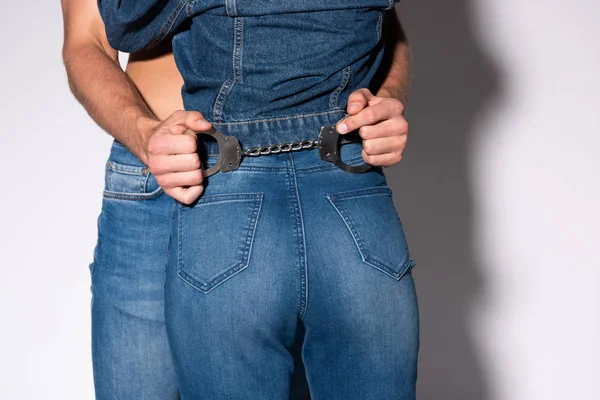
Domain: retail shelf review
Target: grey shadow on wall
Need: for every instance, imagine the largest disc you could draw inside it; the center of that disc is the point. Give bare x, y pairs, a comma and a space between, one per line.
452, 80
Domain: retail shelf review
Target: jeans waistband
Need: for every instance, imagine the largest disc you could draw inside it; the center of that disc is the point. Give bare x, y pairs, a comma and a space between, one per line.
272, 131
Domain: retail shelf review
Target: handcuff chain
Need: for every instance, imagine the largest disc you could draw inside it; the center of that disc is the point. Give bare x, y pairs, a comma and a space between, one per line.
281, 148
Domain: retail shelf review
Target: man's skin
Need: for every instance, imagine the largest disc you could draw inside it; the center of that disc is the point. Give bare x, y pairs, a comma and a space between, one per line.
142, 107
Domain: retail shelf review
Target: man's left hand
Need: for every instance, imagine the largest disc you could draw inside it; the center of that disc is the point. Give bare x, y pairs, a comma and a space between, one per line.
381, 125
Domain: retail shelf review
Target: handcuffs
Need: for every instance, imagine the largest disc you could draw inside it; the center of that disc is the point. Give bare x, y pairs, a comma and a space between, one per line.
230, 151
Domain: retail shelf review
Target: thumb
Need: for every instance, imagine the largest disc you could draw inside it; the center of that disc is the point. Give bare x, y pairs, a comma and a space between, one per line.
196, 121
358, 100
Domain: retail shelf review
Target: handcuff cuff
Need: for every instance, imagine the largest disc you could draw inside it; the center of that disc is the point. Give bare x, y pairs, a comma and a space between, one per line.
328, 143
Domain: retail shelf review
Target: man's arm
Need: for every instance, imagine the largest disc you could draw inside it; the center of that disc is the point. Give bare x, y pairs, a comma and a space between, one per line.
396, 83
98, 82
106, 92
380, 118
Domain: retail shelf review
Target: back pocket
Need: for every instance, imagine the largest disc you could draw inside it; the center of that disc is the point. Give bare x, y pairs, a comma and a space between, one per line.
215, 238
373, 222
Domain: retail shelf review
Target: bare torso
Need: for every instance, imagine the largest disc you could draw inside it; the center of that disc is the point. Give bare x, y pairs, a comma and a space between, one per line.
157, 78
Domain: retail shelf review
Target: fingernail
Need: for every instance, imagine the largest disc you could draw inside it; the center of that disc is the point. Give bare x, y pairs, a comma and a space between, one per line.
342, 128
353, 106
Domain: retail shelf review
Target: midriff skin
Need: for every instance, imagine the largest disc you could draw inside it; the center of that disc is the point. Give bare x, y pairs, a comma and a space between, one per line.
158, 80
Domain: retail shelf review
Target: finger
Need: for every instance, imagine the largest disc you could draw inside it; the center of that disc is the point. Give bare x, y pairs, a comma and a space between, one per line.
379, 146
196, 122
161, 164
384, 160
172, 143
358, 100
174, 179
390, 127
185, 195
178, 117
186, 119
369, 116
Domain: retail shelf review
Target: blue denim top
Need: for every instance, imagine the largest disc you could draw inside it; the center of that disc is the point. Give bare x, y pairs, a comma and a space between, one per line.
266, 71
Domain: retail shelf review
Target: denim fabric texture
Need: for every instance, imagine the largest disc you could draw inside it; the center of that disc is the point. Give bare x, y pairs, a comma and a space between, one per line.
285, 243
247, 64
287, 240
130, 351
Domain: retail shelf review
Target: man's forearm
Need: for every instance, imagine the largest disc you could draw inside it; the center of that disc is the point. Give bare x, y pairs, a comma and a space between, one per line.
397, 63
109, 96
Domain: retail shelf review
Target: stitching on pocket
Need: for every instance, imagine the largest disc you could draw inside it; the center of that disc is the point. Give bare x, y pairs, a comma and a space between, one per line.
367, 256
131, 196
383, 190
114, 169
127, 169
207, 284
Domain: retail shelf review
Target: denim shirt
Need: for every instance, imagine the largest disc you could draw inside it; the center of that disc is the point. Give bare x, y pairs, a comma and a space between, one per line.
251, 65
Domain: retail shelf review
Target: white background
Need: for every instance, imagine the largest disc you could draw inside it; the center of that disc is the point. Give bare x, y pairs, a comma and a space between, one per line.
527, 157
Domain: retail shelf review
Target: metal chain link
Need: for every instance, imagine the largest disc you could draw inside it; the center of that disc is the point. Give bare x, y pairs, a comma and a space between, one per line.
281, 148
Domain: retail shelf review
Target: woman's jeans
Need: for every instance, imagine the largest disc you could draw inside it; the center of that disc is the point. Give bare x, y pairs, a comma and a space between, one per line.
284, 244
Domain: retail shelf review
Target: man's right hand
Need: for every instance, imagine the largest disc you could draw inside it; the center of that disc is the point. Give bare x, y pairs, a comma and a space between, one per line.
172, 156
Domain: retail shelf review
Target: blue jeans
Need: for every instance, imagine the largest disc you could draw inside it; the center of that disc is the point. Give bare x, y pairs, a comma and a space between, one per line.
284, 244
286, 241
130, 351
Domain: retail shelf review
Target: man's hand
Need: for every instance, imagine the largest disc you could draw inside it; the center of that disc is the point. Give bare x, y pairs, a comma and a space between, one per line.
381, 125
172, 156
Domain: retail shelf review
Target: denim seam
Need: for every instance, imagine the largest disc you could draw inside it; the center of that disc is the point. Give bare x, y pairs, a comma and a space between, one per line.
333, 100
207, 287
261, 169
170, 21
145, 183
173, 210
179, 246
229, 8
293, 214
325, 167
304, 274
255, 121
368, 191
364, 253
126, 169
238, 43
92, 265
189, 9
300, 171
220, 100
108, 194
124, 172
379, 25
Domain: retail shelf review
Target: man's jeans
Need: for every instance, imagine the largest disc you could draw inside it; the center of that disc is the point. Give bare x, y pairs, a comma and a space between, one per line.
130, 351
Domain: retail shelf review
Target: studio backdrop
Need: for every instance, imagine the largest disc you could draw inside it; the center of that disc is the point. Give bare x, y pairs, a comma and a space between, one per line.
498, 191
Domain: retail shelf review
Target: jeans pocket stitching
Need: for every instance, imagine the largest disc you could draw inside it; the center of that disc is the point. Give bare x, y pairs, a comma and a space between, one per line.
234, 269
140, 174
108, 194
369, 191
367, 256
